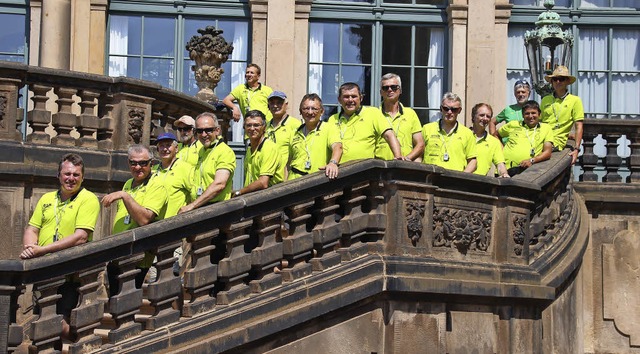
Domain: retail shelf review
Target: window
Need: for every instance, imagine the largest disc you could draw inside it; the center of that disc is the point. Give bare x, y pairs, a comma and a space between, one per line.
361, 43
148, 42
13, 32
585, 4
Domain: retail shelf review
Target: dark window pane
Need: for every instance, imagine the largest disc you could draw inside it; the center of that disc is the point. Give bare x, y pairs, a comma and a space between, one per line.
191, 27
323, 42
12, 35
356, 44
159, 38
360, 75
132, 67
405, 80
323, 80
188, 80
236, 33
396, 45
159, 71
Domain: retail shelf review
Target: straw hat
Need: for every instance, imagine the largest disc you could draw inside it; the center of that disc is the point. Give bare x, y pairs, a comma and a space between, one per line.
560, 71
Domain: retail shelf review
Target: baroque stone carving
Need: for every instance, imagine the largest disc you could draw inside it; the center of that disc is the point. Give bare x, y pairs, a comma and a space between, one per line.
3, 108
519, 222
414, 212
465, 230
136, 123
209, 51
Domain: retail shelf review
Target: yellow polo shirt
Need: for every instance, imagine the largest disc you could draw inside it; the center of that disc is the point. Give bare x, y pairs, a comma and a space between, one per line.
310, 152
360, 132
522, 140
189, 153
250, 99
178, 181
282, 136
405, 124
263, 162
450, 151
489, 151
218, 156
561, 114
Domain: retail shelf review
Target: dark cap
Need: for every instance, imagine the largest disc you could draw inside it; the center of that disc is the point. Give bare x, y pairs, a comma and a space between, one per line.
166, 136
278, 94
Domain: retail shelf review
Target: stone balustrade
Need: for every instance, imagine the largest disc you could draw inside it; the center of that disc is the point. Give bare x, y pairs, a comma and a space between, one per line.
74, 109
265, 262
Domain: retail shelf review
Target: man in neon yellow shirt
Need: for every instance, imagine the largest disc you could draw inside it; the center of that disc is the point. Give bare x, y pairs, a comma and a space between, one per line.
361, 127
140, 202
404, 121
189, 146
250, 95
522, 91
316, 145
447, 143
488, 147
282, 127
530, 141
213, 176
262, 165
63, 219
562, 110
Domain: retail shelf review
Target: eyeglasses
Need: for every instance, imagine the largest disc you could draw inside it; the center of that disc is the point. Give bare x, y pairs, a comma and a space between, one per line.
311, 109
392, 87
559, 79
184, 129
254, 125
205, 130
522, 83
142, 163
450, 109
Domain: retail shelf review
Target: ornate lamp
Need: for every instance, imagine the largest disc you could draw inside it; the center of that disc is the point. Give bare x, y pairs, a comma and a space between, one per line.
547, 47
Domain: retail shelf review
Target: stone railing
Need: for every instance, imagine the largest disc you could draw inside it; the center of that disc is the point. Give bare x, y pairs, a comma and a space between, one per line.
610, 165
266, 262
89, 111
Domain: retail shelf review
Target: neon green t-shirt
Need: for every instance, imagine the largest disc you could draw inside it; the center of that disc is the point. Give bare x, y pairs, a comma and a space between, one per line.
561, 114
263, 162
189, 153
310, 152
282, 136
218, 156
524, 142
178, 181
51, 214
404, 125
450, 151
489, 151
249, 99
360, 133
151, 195
510, 113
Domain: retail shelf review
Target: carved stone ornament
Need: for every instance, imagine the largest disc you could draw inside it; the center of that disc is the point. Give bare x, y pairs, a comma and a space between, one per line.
3, 110
463, 229
519, 222
414, 212
136, 123
209, 51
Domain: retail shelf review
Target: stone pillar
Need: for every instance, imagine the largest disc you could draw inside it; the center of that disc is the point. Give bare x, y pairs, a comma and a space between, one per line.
300, 52
80, 35
457, 13
259, 35
35, 7
481, 55
97, 36
55, 36
280, 44
500, 44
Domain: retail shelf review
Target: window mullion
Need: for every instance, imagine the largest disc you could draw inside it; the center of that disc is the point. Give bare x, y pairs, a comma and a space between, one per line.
178, 56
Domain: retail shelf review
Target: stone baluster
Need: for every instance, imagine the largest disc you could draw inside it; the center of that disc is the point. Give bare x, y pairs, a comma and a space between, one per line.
87, 121
233, 270
201, 274
377, 215
39, 117
267, 255
612, 161
634, 157
297, 244
164, 291
589, 159
105, 123
125, 302
158, 127
64, 120
46, 330
327, 232
9, 112
354, 223
11, 335
87, 316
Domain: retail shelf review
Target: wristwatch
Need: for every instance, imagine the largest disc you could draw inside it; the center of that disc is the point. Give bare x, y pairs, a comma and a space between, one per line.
333, 162
236, 193
532, 161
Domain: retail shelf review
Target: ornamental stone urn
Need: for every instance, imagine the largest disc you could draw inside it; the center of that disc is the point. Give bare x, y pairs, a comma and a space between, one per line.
209, 51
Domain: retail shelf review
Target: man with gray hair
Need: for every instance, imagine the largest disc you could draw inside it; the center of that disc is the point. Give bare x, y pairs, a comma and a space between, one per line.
522, 91
404, 122
448, 143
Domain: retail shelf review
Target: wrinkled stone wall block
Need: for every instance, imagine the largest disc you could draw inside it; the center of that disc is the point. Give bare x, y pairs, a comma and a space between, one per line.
11, 333
9, 112
233, 269
46, 330
266, 257
125, 304
39, 117
297, 243
201, 274
165, 290
87, 316
327, 232
354, 223
64, 120
87, 122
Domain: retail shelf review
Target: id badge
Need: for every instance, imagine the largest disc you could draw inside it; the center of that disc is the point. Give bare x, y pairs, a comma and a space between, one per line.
55, 236
557, 126
445, 157
307, 165
533, 153
199, 191
127, 219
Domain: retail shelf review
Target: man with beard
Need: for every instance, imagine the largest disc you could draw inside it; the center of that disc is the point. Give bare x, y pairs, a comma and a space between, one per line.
189, 146
488, 147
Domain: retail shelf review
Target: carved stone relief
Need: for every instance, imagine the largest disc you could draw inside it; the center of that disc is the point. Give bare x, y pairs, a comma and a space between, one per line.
3, 108
519, 233
414, 212
136, 123
465, 230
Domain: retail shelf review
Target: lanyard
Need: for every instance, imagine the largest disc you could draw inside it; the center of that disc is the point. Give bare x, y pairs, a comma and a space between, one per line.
557, 114
166, 171
532, 139
202, 162
448, 135
58, 214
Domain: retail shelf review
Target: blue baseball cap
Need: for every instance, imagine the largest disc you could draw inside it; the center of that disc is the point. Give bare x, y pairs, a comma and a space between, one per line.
165, 136
278, 94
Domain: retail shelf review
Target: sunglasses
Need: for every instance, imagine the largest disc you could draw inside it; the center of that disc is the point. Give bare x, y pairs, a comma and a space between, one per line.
184, 129
450, 109
559, 79
254, 125
205, 130
142, 163
392, 87
522, 83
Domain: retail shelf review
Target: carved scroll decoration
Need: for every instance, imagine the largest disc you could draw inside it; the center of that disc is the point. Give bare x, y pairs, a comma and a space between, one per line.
136, 123
465, 230
3, 109
519, 222
414, 212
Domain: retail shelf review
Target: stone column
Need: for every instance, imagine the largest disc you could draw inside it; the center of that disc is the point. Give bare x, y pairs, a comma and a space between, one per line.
481, 55
457, 13
503, 13
35, 7
259, 35
280, 44
300, 52
80, 35
97, 36
55, 34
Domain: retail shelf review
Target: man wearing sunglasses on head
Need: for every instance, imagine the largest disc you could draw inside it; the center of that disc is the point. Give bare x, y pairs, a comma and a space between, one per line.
447, 143
563, 110
213, 175
404, 121
522, 91
140, 202
189, 145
